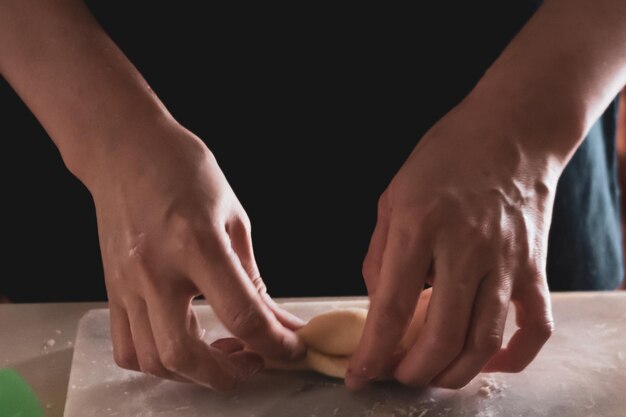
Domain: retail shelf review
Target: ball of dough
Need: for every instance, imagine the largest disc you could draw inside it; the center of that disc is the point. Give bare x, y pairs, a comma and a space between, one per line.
336, 332
335, 366
333, 337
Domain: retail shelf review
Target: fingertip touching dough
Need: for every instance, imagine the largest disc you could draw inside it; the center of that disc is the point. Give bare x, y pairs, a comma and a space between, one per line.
332, 338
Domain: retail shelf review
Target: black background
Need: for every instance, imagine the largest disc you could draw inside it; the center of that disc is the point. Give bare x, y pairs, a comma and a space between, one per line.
309, 116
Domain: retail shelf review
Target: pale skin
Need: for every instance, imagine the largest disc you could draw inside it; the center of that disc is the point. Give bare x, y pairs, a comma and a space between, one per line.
469, 211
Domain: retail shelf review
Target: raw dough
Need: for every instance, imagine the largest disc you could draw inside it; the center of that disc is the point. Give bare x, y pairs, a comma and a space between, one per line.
332, 337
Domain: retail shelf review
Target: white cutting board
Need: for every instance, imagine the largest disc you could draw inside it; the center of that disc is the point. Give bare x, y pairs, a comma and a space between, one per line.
580, 372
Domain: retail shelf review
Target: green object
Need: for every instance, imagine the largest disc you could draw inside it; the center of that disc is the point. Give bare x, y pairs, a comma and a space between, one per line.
16, 397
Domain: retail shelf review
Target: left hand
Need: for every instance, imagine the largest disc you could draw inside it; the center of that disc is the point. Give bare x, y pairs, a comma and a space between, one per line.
468, 212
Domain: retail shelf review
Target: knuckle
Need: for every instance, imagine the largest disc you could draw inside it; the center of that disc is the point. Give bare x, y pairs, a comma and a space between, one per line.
137, 260
247, 322
544, 330
484, 246
481, 239
538, 275
383, 203
187, 238
174, 357
404, 237
393, 314
193, 237
445, 345
151, 365
139, 256
125, 360
139, 265
137, 244
370, 268
489, 344
259, 284
198, 235
245, 222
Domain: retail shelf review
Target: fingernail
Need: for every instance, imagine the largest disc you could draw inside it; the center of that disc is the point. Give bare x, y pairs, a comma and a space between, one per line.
247, 363
228, 345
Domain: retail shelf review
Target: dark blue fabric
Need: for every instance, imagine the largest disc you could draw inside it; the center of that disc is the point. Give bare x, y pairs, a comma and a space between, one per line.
585, 246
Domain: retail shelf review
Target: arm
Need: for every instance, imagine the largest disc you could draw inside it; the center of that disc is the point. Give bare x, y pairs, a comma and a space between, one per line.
470, 210
75, 80
170, 226
560, 73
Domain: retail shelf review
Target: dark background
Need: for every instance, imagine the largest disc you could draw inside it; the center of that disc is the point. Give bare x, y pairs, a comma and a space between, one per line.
309, 118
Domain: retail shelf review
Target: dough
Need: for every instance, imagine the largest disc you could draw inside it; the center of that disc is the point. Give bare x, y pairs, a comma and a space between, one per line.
332, 337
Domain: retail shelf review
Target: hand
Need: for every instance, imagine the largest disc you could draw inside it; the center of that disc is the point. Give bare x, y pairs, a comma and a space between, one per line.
170, 229
468, 212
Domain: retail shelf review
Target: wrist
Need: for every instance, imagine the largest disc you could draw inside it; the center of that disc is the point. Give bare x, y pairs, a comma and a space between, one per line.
542, 119
85, 151
129, 152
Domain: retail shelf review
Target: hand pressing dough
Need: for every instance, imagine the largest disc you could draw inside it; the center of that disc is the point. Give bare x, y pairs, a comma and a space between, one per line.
333, 337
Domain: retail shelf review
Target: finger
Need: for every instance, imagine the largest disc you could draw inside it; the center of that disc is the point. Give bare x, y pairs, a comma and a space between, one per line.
241, 242
418, 320
228, 345
123, 347
374, 258
536, 324
185, 354
287, 319
485, 335
404, 268
145, 346
447, 323
236, 301
194, 325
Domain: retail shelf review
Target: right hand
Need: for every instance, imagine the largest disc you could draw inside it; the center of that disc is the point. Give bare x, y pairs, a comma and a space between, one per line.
170, 229
468, 212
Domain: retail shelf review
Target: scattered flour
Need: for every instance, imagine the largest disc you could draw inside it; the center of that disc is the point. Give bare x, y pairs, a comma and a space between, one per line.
489, 387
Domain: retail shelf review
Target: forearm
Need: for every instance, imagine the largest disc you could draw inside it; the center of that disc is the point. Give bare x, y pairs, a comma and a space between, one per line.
79, 85
560, 73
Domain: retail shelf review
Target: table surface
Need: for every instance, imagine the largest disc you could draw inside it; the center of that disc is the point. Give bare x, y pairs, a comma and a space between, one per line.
27, 332
37, 341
